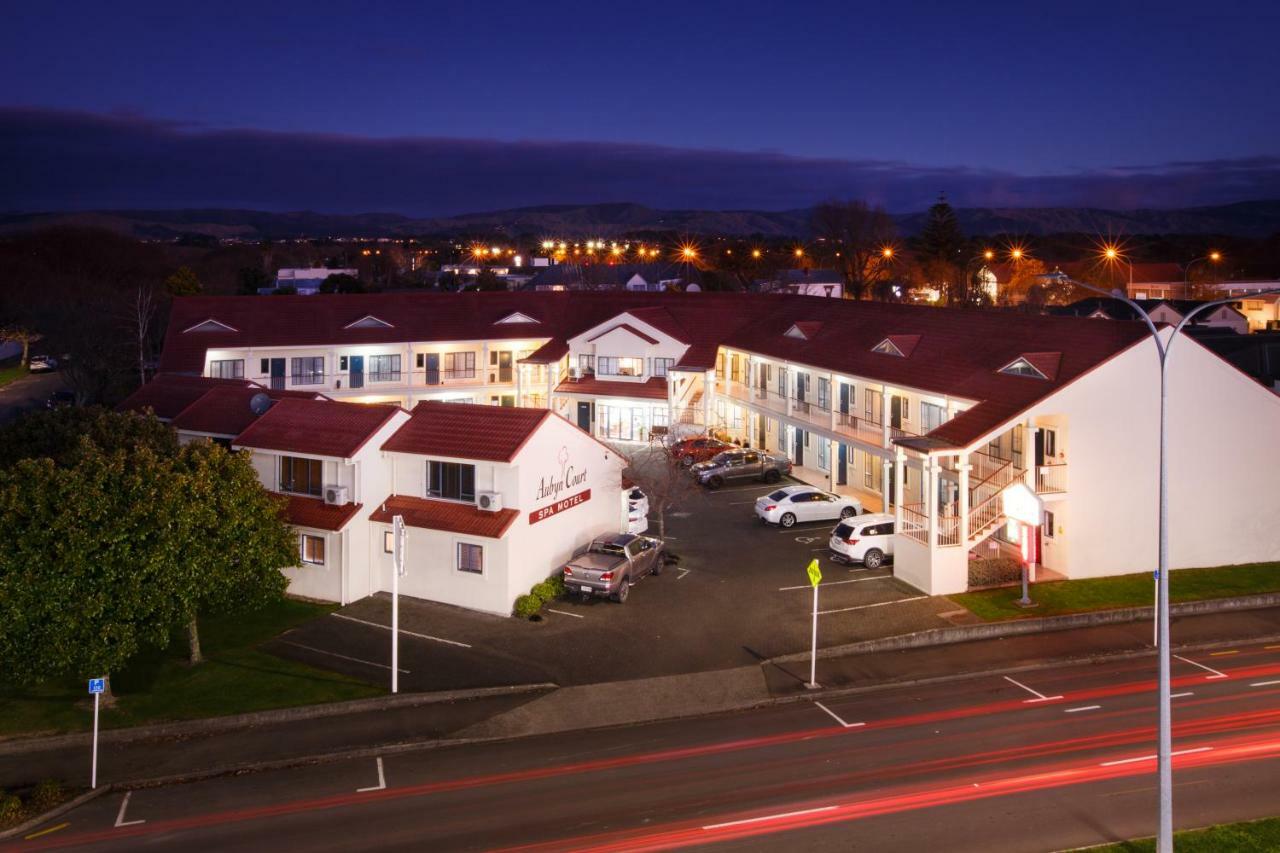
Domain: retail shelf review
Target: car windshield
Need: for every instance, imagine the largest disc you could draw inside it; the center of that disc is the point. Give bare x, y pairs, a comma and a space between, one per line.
720, 459
844, 531
778, 495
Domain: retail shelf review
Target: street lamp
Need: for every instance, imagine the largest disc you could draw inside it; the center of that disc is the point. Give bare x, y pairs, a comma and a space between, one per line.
1164, 749
1113, 255
1212, 257
987, 255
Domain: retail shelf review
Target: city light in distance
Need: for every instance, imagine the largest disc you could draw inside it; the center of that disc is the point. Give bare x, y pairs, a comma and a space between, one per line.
755, 253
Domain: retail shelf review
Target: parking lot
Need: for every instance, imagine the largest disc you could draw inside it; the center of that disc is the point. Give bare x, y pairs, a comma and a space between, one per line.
738, 595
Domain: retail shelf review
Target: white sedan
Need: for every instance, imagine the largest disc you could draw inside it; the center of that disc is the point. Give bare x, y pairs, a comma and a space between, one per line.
792, 504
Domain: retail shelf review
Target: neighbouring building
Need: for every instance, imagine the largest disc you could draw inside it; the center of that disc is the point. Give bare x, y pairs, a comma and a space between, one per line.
306, 281
927, 413
648, 278
1171, 311
804, 282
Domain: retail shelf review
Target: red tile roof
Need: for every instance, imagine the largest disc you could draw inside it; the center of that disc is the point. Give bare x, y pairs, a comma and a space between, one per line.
225, 410
549, 353
169, 393
626, 327
650, 389
445, 515
314, 513
317, 427
466, 431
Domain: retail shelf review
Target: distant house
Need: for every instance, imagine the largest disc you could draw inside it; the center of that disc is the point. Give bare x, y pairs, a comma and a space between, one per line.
306, 281
1262, 312
651, 278
804, 282
1169, 311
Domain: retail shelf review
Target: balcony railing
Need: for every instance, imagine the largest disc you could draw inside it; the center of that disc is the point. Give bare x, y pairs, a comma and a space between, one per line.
915, 523
303, 379
860, 428
1051, 479
383, 376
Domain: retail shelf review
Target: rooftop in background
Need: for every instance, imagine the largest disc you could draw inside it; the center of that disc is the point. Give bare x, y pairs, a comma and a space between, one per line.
168, 394
225, 411
317, 427
601, 276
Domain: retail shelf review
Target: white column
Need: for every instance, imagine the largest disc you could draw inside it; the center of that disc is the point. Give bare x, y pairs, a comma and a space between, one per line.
1029, 452
708, 396
930, 482
899, 479
833, 400
484, 364
789, 389
887, 470
963, 466
884, 417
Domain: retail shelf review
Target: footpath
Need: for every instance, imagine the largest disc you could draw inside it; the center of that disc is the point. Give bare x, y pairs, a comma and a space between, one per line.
198, 749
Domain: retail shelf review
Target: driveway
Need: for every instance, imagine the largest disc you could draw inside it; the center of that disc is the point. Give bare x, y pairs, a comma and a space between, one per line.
738, 595
29, 392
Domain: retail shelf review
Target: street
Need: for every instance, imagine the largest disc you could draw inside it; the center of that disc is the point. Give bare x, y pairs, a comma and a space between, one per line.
1045, 759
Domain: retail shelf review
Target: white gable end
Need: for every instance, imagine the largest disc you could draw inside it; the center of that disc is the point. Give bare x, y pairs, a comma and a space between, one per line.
369, 322
516, 317
210, 325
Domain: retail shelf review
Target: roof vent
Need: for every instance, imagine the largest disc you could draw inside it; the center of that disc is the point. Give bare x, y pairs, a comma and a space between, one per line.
1036, 365
803, 330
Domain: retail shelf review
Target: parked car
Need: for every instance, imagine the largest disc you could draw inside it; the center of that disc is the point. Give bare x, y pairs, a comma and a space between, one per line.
42, 363
612, 563
741, 465
791, 504
58, 399
638, 500
699, 449
866, 539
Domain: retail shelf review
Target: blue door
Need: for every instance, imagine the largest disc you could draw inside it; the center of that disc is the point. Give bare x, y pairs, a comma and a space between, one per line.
277, 373
842, 462
433, 368
355, 376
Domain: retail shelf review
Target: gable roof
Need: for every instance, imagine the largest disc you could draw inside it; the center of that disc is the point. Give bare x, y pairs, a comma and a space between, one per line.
169, 393
466, 431
317, 427
804, 329
368, 321
210, 325
224, 410
445, 515
516, 317
626, 327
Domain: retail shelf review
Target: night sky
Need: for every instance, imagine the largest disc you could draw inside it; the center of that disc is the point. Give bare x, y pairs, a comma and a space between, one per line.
431, 108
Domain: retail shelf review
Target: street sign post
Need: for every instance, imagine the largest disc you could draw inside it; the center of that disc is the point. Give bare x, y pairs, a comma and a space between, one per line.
97, 686
1021, 504
815, 578
397, 569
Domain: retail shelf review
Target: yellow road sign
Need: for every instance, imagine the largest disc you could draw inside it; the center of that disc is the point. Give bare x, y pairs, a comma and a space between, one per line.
815, 573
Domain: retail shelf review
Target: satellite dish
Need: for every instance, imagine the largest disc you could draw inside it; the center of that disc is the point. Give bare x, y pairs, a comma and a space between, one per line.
259, 403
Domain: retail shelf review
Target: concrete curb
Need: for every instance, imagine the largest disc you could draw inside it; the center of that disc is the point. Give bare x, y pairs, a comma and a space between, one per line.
1019, 627
74, 803
212, 725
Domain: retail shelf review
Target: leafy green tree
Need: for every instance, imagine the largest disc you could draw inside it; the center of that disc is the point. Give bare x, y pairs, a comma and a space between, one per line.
57, 434
183, 283
341, 283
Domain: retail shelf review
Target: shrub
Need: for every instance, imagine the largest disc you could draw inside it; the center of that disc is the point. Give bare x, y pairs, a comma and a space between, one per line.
544, 591
11, 810
528, 606
991, 571
45, 796
557, 584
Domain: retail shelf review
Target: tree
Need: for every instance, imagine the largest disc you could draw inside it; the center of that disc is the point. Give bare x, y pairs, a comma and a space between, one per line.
60, 434
183, 283
253, 279
341, 283
19, 334
662, 477
940, 250
142, 312
488, 280
860, 234
1019, 288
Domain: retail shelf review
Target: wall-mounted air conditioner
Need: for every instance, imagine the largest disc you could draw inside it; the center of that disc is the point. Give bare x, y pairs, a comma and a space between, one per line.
337, 495
488, 501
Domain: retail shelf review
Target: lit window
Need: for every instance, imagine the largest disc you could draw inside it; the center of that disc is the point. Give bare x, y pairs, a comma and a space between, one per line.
227, 369
312, 549
388, 542
1022, 367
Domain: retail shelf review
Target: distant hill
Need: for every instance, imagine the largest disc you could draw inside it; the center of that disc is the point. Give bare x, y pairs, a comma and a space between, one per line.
1245, 219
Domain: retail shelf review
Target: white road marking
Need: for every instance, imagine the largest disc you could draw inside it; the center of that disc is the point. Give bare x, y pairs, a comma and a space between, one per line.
836, 716
833, 583
124, 804
683, 572
1082, 708
1180, 695
1264, 683
566, 613
402, 630
867, 606
1153, 758
807, 540
1040, 697
342, 657
382, 780
1216, 674
769, 817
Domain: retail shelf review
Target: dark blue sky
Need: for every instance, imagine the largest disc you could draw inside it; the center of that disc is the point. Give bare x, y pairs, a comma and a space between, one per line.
1012, 103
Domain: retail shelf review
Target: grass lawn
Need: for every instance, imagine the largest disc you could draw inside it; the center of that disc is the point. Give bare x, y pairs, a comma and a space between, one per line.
1259, 835
11, 370
159, 686
1061, 597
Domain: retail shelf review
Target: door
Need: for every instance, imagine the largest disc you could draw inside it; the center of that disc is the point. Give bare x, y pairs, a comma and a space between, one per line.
277, 373
433, 368
1039, 447
844, 399
504, 366
801, 378
355, 375
892, 488
873, 411
799, 449
760, 431
895, 412
842, 464
584, 416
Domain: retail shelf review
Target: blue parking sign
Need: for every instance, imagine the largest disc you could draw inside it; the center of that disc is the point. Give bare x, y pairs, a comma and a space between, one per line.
97, 685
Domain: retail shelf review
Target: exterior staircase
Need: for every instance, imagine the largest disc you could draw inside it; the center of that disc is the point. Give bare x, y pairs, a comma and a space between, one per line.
986, 509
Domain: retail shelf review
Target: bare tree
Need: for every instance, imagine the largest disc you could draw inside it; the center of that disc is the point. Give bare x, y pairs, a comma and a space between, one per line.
659, 474
860, 234
20, 334
142, 312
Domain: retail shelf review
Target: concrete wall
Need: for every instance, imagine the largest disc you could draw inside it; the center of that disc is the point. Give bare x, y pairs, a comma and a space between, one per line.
321, 582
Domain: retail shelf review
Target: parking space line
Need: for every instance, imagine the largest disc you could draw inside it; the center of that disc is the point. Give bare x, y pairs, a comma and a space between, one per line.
1180, 695
1216, 674
836, 716
868, 606
1153, 758
382, 780
1081, 708
1264, 683
336, 655
683, 572
566, 613
833, 583
124, 804
402, 630
46, 831
1040, 697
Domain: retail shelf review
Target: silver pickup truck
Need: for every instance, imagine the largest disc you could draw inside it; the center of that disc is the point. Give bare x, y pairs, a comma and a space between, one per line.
612, 563
735, 465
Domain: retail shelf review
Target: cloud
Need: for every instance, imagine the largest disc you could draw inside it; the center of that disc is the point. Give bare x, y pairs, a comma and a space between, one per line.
59, 160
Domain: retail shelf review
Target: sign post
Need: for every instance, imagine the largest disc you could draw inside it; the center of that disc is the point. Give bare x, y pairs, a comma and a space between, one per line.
1155, 630
96, 688
815, 578
397, 569
1024, 506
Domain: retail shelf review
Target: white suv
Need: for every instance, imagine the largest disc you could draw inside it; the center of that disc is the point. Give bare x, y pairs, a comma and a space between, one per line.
866, 539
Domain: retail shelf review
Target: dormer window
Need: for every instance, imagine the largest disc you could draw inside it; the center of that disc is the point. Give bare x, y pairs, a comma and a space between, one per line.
516, 317
897, 345
210, 325
1037, 365
804, 330
369, 321
887, 347
1022, 367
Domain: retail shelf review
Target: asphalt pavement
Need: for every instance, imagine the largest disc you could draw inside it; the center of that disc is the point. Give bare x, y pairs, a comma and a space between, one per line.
29, 392
1049, 759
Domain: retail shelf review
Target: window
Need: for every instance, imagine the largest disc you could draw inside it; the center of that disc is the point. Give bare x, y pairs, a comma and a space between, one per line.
608, 365
1047, 527
873, 409
451, 480
311, 549
868, 470
388, 542
460, 365
264, 365
932, 416
822, 455
1050, 444
735, 368
384, 368
586, 364
1022, 367
420, 360
887, 347
824, 392
1015, 450
307, 371
720, 365
662, 365
227, 369
470, 558
301, 476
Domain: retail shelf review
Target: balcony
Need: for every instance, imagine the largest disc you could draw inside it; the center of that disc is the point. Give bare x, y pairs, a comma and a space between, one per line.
299, 379
814, 413
383, 376
1051, 479
860, 428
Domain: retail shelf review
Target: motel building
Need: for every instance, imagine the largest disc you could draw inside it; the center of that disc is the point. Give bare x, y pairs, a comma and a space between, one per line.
929, 414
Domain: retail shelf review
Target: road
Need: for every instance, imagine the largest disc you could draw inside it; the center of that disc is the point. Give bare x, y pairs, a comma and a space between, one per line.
28, 392
1045, 759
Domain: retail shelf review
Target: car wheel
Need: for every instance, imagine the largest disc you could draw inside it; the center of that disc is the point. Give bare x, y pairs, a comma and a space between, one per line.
788, 519
772, 476
848, 512
657, 564
715, 482
686, 461
624, 589
873, 559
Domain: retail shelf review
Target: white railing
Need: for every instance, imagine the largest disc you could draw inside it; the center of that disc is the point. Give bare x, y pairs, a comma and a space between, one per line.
1051, 479
860, 428
915, 523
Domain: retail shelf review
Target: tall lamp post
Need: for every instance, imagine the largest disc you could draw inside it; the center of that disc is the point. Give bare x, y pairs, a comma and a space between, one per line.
1164, 758
1213, 257
987, 255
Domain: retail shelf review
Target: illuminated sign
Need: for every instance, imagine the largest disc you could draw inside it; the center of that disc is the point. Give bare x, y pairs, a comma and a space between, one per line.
553, 486
1022, 504
559, 506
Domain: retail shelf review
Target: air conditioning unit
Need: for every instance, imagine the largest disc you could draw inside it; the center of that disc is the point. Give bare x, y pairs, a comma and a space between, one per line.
488, 501
574, 374
336, 495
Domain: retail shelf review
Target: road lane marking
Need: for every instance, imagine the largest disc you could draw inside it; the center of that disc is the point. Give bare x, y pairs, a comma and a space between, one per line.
124, 804
1271, 647
833, 583
769, 817
1216, 674
1082, 708
566, 613
1264, 683
1221, 654
336, 655
382, 780
683, 572
1180, 695
1040, 697
402, 630
46, 831
1153, 758
836, 716
866, 606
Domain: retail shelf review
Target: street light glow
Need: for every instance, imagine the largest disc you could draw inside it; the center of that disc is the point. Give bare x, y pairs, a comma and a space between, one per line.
887, 251
1215, 256
1016, 254
799, 253
755, 253
988, 254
